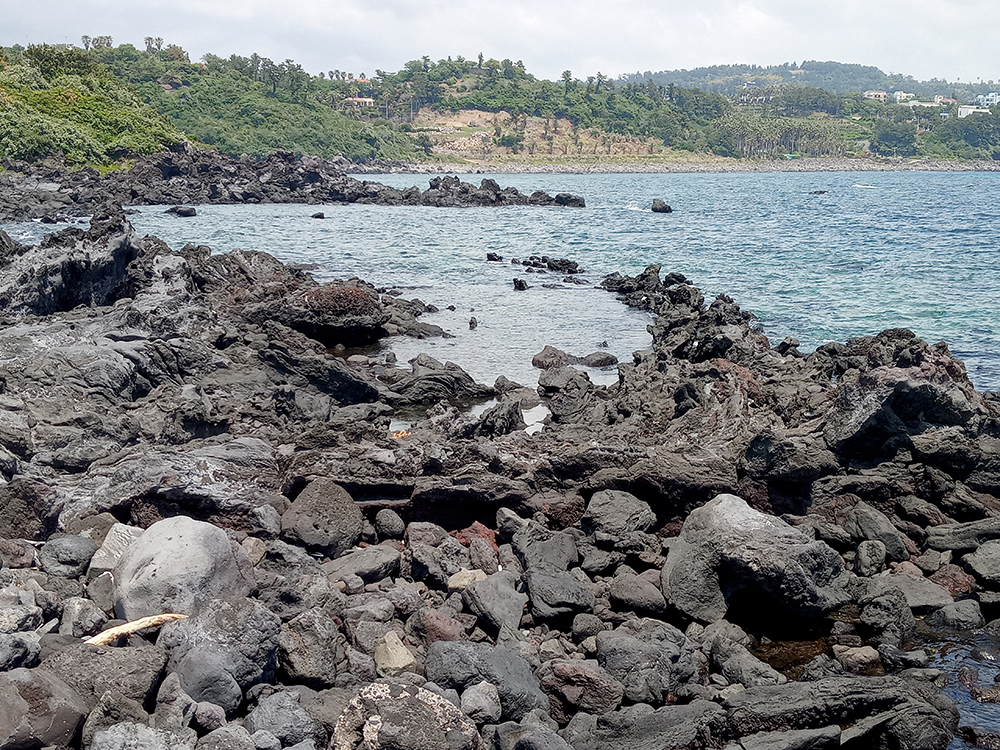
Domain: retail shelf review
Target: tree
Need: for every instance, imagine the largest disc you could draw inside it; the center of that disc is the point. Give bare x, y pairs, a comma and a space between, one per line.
86, 41
52, 61
425, 144
897, 139
174, 53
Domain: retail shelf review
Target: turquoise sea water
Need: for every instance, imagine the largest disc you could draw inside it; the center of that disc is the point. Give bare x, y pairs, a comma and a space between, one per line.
919, 250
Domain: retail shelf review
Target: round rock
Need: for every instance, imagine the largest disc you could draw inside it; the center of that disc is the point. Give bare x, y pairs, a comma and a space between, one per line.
178, 565
388, 524
66, 556
323, 518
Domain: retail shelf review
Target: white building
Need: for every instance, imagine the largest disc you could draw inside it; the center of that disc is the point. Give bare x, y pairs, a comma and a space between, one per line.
965, 110
988, 100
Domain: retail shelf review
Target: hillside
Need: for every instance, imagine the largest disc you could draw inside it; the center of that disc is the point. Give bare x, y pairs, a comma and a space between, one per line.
105, 103
835, 77
60, 100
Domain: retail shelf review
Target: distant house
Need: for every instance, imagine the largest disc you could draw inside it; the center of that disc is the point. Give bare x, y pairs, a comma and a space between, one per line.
902, 96
988, 100
969, 109
879, 96
944, 101
359, 101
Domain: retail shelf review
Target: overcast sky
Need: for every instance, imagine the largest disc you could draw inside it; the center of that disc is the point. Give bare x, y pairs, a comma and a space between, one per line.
951, 39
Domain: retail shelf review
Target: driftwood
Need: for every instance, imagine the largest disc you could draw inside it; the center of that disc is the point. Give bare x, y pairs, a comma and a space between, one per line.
108, 636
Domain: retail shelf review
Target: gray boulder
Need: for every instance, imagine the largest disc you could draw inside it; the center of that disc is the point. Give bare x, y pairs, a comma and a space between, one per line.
370, 564
636, 594
177, 565
132, 672
845, 701
579, 685
869, 558
497, 602
481, 703
461, 664
18, 650
323, 518
131, 736
556, 593
282, 715
864, 522
229, 737
394, 716
985, 562
66, 556
37, 709
118, 539
694, 725
616, 512
230, 645
963, 537
651, 659
729, 555
309, 649
963, 615
81, 618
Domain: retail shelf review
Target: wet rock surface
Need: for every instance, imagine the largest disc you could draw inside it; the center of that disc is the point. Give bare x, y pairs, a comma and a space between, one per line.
734, 546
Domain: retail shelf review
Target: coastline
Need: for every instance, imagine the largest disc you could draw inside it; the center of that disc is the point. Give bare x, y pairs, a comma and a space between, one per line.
349, 554
578, 165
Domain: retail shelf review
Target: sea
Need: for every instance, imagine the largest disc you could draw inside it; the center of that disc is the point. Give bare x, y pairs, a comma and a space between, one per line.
818, 256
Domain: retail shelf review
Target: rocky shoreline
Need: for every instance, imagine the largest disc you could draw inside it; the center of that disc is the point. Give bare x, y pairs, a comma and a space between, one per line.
605, 165
187, 175
737, 546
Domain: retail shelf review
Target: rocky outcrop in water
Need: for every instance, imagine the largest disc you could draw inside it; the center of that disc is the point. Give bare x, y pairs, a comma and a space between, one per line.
734, 546
188, 175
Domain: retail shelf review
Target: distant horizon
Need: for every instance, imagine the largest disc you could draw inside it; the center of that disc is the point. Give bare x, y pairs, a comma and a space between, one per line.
948, 40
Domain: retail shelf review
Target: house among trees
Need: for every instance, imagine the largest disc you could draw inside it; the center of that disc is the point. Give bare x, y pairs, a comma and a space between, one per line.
359, 101
879, 96
970, 109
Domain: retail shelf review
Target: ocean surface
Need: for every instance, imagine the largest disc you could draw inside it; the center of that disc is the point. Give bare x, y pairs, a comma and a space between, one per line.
874, 250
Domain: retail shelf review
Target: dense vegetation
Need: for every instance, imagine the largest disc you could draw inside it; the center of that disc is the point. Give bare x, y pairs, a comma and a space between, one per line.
57, 99
103, 103
252, 105
835, 77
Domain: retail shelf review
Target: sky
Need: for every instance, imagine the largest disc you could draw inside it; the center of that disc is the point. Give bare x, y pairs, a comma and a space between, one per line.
949, 39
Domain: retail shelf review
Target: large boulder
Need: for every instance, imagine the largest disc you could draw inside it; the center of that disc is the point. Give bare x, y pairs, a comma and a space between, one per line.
618, 513
461, 664
283, 715
698, 724
229, 646
71, 268
885, 711
579, 685
178, 565
651, 659
387, 715
37, 709
132, 673
323, 518
732, 558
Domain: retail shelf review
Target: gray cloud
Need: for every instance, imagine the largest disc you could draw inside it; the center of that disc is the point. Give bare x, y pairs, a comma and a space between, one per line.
951, 39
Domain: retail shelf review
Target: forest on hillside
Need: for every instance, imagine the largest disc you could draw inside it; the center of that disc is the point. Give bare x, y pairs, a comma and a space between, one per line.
835, 77
101, 103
